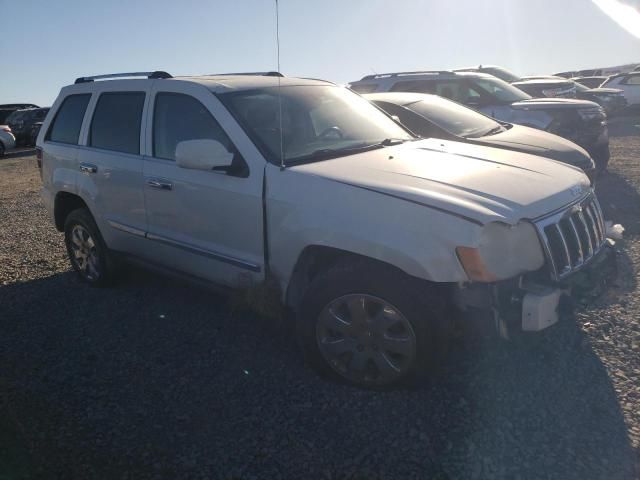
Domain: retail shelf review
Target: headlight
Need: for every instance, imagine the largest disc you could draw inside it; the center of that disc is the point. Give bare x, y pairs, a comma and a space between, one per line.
588, 114
503, 252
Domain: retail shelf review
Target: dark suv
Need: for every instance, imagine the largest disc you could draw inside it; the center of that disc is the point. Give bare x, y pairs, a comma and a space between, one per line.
580, 121
22, 122
7, 109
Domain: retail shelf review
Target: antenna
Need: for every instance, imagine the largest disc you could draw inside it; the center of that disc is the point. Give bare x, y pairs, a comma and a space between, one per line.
279, 95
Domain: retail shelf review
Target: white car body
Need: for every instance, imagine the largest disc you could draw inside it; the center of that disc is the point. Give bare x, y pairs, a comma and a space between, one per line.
629, 83
410, 206
7, 139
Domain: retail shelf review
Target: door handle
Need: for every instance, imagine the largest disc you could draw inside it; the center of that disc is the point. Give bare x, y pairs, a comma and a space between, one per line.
88, 168
161, 184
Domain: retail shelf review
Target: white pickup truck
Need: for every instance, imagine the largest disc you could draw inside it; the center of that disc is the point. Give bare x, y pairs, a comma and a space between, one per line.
369, 234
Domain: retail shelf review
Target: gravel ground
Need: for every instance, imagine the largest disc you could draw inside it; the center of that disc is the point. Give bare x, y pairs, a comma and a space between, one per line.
158, 379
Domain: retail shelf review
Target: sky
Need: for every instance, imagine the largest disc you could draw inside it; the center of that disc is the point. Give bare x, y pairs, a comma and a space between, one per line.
50, 43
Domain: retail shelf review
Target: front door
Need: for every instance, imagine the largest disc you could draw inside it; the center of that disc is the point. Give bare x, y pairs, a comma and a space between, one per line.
205, 223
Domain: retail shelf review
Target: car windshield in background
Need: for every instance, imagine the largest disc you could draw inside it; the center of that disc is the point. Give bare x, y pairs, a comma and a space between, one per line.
500, 90
454, 118
17, 116
318, 122
501, 73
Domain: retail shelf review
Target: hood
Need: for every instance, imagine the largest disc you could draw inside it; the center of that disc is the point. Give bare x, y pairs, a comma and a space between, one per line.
601, 90
539, 142
553, 103
481, 184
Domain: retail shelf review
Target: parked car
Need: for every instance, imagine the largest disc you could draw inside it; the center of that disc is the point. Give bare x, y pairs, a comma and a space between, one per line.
590, 82
431, 116
537, 86
8, 108
366, 233
629, 83
540, 87
21, 122
33, 134
580, 121
7, 140
610, 99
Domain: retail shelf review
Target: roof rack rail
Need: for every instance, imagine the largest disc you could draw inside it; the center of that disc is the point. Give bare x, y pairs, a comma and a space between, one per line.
156, 74
398, 74
257, 74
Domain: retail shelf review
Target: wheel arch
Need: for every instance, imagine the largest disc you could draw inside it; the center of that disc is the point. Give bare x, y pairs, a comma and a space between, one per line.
315, 259
64, 204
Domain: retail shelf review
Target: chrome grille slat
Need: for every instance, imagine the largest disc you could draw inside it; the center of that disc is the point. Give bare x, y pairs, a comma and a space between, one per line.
574, 230
592, 227
563, 240
589, 243
572, 237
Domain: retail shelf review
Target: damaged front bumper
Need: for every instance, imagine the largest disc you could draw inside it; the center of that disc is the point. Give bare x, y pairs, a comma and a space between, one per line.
533, 303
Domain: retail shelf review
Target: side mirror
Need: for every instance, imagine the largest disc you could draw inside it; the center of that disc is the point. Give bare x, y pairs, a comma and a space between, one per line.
203, 154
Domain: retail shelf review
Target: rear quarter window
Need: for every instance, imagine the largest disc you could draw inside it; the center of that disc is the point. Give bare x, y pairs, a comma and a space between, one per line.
65, 127
116, 122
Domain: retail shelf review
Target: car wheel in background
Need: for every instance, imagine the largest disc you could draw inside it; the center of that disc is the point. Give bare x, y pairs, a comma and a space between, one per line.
87, 251
371, 325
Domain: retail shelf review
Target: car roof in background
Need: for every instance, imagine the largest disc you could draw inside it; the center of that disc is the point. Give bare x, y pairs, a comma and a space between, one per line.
421, 74
542, 81
398, 98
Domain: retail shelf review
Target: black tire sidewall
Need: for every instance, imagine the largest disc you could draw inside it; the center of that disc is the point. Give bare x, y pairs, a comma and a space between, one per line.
83, 218
420, 303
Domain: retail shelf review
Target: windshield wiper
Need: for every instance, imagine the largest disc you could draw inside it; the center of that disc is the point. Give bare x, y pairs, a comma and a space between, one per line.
494, 130
328, 153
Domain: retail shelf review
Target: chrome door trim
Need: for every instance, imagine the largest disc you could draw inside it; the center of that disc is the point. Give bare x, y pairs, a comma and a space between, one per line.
126, 228
205, 253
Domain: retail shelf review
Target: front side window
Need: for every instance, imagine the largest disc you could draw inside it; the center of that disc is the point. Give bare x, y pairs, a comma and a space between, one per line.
116, 122
65, 127
177, 118
317, 122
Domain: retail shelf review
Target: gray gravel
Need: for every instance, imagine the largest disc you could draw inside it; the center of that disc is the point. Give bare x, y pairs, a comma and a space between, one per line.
158, 379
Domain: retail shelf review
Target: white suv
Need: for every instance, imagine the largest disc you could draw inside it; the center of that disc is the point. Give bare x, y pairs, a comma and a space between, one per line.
369, 234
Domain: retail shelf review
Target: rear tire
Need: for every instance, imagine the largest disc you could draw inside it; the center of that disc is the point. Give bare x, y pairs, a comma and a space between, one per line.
371, 325
88, 254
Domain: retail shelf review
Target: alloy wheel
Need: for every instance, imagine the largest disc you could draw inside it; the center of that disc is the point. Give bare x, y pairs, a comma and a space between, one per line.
84, 253
366, 339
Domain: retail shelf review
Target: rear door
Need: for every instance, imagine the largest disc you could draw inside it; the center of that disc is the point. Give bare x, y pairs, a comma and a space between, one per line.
60, 145
631, 86
205, 223
111, 164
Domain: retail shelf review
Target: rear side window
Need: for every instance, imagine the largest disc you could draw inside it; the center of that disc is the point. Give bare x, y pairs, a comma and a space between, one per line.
631, 80
116, 122
68, 120
178, 117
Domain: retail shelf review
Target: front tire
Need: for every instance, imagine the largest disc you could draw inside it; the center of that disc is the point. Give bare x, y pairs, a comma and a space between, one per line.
371, 325
87, 251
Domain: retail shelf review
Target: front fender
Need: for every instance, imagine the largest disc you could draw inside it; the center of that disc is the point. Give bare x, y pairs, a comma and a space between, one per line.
305, 210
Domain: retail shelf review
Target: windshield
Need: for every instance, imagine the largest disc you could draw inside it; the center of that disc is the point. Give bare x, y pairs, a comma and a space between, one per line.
500, 89
580, 87
17, 116
454, 118
501, 73
318, 122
